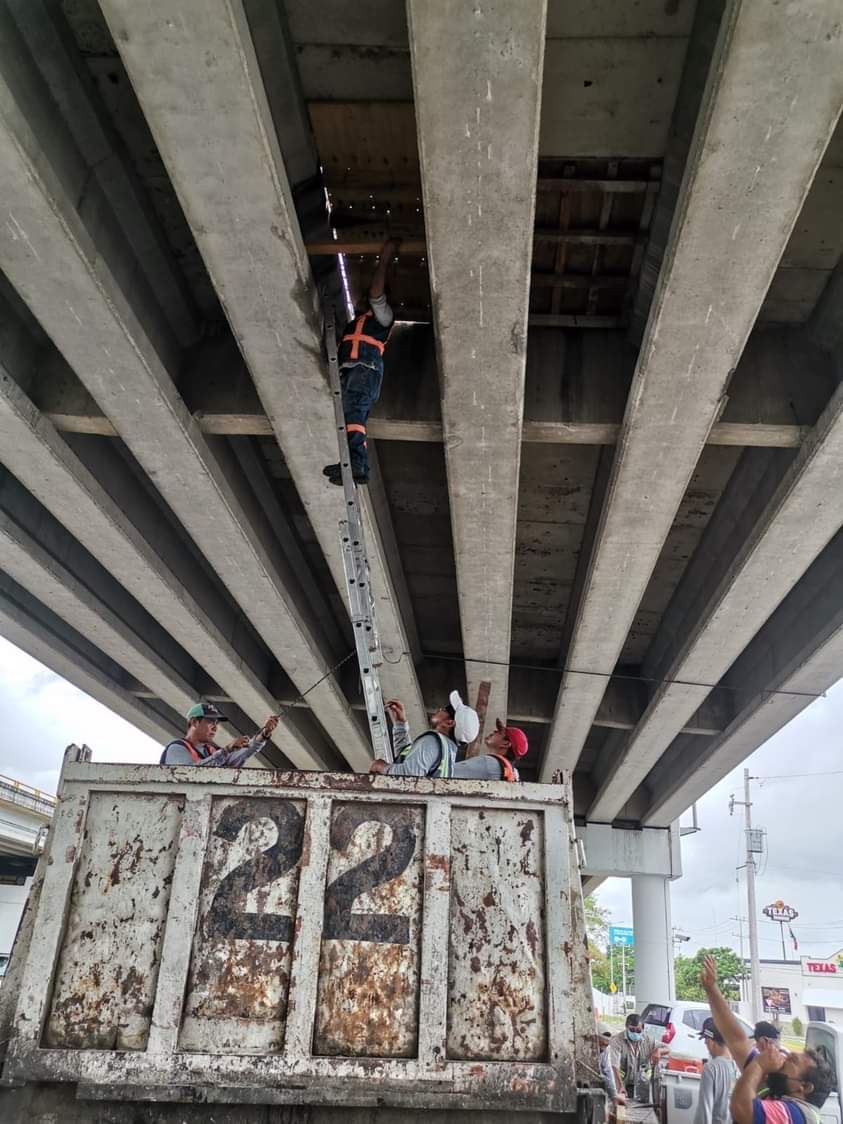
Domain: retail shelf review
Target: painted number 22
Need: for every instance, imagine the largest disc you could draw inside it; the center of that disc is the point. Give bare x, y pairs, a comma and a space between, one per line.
383, 928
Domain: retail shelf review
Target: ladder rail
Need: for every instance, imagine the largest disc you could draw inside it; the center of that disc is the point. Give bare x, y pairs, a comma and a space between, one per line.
356, 563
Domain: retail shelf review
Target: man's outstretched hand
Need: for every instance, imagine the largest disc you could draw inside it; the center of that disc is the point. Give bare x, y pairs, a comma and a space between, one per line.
377, 766
708, 974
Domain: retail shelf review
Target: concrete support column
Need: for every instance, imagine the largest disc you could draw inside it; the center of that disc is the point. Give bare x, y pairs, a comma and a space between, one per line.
653, 939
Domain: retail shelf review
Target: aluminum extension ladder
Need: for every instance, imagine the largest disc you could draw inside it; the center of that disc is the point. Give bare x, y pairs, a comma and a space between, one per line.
356, 564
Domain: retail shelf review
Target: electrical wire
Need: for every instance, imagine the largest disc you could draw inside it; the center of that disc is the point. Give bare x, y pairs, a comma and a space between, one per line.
628, 675
797, 776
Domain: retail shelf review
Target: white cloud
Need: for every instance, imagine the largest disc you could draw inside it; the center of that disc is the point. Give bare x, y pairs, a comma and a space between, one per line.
804, 825
43, 713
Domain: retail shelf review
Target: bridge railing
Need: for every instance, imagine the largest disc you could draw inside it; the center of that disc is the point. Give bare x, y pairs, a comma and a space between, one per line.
16, 792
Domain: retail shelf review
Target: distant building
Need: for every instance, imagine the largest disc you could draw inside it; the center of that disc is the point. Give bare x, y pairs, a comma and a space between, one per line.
24, 811
810, 988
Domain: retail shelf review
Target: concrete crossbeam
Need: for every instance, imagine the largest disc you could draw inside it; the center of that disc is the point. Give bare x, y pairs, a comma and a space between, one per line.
37, 641
200, 86
795, 657
613, 852
76, 271
771, 102
733, 593
48, 468
477, 83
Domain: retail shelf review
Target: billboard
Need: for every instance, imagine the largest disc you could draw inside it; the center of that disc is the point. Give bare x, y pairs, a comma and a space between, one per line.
776, 1000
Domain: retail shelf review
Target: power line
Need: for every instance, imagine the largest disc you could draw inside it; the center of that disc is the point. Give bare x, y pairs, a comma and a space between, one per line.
628, 675
796, 776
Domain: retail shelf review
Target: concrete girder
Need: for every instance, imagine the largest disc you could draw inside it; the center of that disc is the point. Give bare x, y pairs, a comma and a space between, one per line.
477, 82
45, 31
732, 595
54, 585
74, 268
770, 105
37, 641
794, 658
46, 466
215, 133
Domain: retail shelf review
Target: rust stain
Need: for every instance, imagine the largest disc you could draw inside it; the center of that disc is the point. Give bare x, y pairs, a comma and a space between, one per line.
367, 1001
70, 854
532, 937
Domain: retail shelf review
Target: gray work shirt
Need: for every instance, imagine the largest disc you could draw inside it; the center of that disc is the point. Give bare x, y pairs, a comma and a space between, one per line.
423, 759
718, 1079
177, 753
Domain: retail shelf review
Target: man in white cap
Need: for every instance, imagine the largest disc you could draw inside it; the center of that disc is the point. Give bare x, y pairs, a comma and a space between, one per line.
433, 753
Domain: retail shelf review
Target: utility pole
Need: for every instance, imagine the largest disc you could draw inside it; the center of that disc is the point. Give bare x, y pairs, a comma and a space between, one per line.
751, 850
739, 935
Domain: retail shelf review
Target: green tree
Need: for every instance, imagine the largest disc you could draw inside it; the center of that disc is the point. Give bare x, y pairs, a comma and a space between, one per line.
596, 921
730, 971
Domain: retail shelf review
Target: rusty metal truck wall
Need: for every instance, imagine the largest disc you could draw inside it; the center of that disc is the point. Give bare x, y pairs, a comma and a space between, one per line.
305, 938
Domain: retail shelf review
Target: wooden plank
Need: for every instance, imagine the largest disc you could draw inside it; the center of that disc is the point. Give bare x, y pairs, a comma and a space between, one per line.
572, 320
577, 280
481, 706
615, 186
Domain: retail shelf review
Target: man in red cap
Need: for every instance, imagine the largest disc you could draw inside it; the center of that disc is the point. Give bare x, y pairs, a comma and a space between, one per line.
504, 746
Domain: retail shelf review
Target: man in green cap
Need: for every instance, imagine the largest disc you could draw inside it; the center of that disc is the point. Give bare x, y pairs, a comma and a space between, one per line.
197, 747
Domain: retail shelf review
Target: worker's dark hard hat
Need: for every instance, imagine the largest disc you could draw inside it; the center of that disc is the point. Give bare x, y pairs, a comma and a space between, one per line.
205, 710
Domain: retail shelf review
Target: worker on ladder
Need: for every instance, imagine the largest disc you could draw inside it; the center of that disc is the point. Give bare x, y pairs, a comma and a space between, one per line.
504, 746
433, 753
361, 366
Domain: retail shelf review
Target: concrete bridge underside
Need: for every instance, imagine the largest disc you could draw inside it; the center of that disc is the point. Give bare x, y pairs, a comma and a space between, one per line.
609, 450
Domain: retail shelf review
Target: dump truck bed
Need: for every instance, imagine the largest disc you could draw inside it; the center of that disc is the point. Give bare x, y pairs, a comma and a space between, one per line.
304, 938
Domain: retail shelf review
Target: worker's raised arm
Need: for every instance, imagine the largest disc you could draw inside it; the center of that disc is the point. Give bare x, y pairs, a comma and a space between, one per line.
725, 1019
388, 252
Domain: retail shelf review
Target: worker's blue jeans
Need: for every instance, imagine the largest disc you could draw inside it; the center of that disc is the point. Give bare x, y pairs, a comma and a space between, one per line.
361, 388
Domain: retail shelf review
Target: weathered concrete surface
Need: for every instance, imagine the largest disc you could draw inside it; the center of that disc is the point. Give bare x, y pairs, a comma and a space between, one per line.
732, 593
77, 274
199, 83
771, 103
797, 654
54, 475
477, 81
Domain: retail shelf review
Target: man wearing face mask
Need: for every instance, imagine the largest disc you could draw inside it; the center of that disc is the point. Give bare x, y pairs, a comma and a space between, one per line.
630, 1052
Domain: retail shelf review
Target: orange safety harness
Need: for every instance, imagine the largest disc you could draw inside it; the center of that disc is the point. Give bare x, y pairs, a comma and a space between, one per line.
357, 336
507, 771
189, 746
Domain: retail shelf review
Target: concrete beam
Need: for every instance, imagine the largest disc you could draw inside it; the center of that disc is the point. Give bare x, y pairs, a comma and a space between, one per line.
50, 41
778, 391
37, 641
751, 556
75, 269
199, 83
614, 852
54, 584
771, 102
48, 468
795, 657
477, 82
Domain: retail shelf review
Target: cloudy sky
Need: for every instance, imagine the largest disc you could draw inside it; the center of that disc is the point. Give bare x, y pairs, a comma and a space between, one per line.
803, 814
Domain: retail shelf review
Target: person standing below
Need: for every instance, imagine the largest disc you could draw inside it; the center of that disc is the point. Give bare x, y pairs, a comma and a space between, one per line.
505, 746
360, 356
797, 1084
197, 747
718, 1078
630, 1052
433, 753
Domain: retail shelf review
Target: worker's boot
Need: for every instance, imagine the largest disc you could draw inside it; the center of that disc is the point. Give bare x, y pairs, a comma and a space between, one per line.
332, 471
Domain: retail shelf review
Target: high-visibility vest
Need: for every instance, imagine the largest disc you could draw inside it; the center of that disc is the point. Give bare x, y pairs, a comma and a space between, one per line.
363, 340
442, 769
189, 746
507, 771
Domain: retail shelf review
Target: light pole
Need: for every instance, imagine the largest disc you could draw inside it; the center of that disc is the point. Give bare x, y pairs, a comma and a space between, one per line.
754, 846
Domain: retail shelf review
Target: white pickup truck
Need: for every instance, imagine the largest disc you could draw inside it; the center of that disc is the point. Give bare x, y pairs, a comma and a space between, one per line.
676, 1091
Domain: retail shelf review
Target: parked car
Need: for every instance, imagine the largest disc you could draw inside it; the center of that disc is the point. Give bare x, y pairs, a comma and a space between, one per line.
677, 1025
